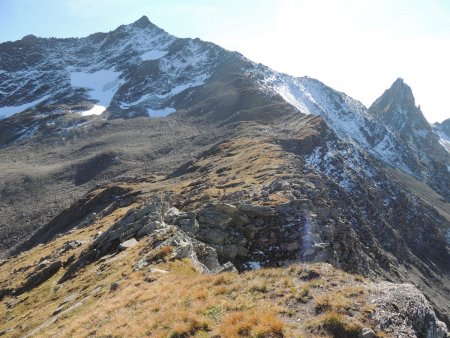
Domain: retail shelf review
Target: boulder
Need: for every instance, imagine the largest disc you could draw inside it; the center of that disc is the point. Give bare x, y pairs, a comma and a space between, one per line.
278, 184
189, 224
70, 246
227, 267
128, 244
256, 210
367, 333
148, 228
403, 308
171, 215
226, 208
213, 216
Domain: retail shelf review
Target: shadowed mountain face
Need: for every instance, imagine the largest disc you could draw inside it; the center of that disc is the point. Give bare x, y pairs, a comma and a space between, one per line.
397, 108
428, 160
310, 173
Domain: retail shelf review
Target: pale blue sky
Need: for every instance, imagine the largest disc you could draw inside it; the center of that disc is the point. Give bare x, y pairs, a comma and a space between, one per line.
356, 46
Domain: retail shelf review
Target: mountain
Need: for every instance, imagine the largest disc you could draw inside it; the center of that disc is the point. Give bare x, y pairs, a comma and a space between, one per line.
396, 109
136, 135
443, 131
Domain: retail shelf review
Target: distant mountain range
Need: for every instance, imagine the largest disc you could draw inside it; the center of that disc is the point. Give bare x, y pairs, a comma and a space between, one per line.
307, 173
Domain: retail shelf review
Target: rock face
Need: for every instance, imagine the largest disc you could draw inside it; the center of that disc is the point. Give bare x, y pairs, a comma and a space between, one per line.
402, 310
43, 272
149, 222
396, 109
443, 131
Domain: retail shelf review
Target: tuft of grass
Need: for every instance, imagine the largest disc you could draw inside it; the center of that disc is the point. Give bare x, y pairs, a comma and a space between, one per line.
335, 324
188, 328
332, 301
260, 286
358, 278
303, 296
252, 324
215, 312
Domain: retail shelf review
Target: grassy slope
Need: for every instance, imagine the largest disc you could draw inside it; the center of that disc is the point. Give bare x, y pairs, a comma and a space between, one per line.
299, 300
267, 303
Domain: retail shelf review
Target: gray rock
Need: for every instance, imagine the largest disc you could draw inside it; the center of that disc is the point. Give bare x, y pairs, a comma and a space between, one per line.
403, 308
44, 271
278, 185
367, 333
230, 251
114, 286
70, 246
161, 271
148, 229
189, 224
256, 210
171, 215
227, 267
213, 216
226, 208
214, 235
308, 252
183, 248
292, 246
128, 244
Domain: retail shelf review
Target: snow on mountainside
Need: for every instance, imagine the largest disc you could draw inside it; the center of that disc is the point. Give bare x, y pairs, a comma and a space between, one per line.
139, 70
132, 70
349, 118
102, 86
443, 131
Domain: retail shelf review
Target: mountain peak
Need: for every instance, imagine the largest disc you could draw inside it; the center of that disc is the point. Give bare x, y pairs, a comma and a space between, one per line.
401, 91
397, 108
399, 82
142, 22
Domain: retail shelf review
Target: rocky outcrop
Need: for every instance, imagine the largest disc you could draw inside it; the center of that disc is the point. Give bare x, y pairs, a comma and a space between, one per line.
402, 310
95, 205
149, 222
43, 271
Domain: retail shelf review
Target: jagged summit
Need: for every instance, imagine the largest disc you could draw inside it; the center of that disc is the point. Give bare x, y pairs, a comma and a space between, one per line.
143, 22
397, 108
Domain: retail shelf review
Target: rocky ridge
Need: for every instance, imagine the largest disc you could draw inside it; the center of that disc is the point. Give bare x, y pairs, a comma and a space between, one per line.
248, 169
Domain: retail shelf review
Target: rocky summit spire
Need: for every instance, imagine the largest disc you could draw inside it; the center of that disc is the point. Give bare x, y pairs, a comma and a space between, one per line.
143, 22
397, 109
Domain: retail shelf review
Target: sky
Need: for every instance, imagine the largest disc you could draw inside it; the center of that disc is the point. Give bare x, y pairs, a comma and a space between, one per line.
356, 46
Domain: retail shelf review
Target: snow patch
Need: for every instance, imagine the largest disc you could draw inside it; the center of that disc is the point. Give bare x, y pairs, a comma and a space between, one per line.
11, 110
95, 110
161, 112
102, 85
153, 55
198, 81
444, 140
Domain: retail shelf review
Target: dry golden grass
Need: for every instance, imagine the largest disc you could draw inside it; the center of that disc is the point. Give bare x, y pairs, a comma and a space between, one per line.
335, 324
183, 303
179, 303
251, 324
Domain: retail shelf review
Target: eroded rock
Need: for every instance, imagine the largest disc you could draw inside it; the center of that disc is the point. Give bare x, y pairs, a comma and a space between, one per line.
402, 309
